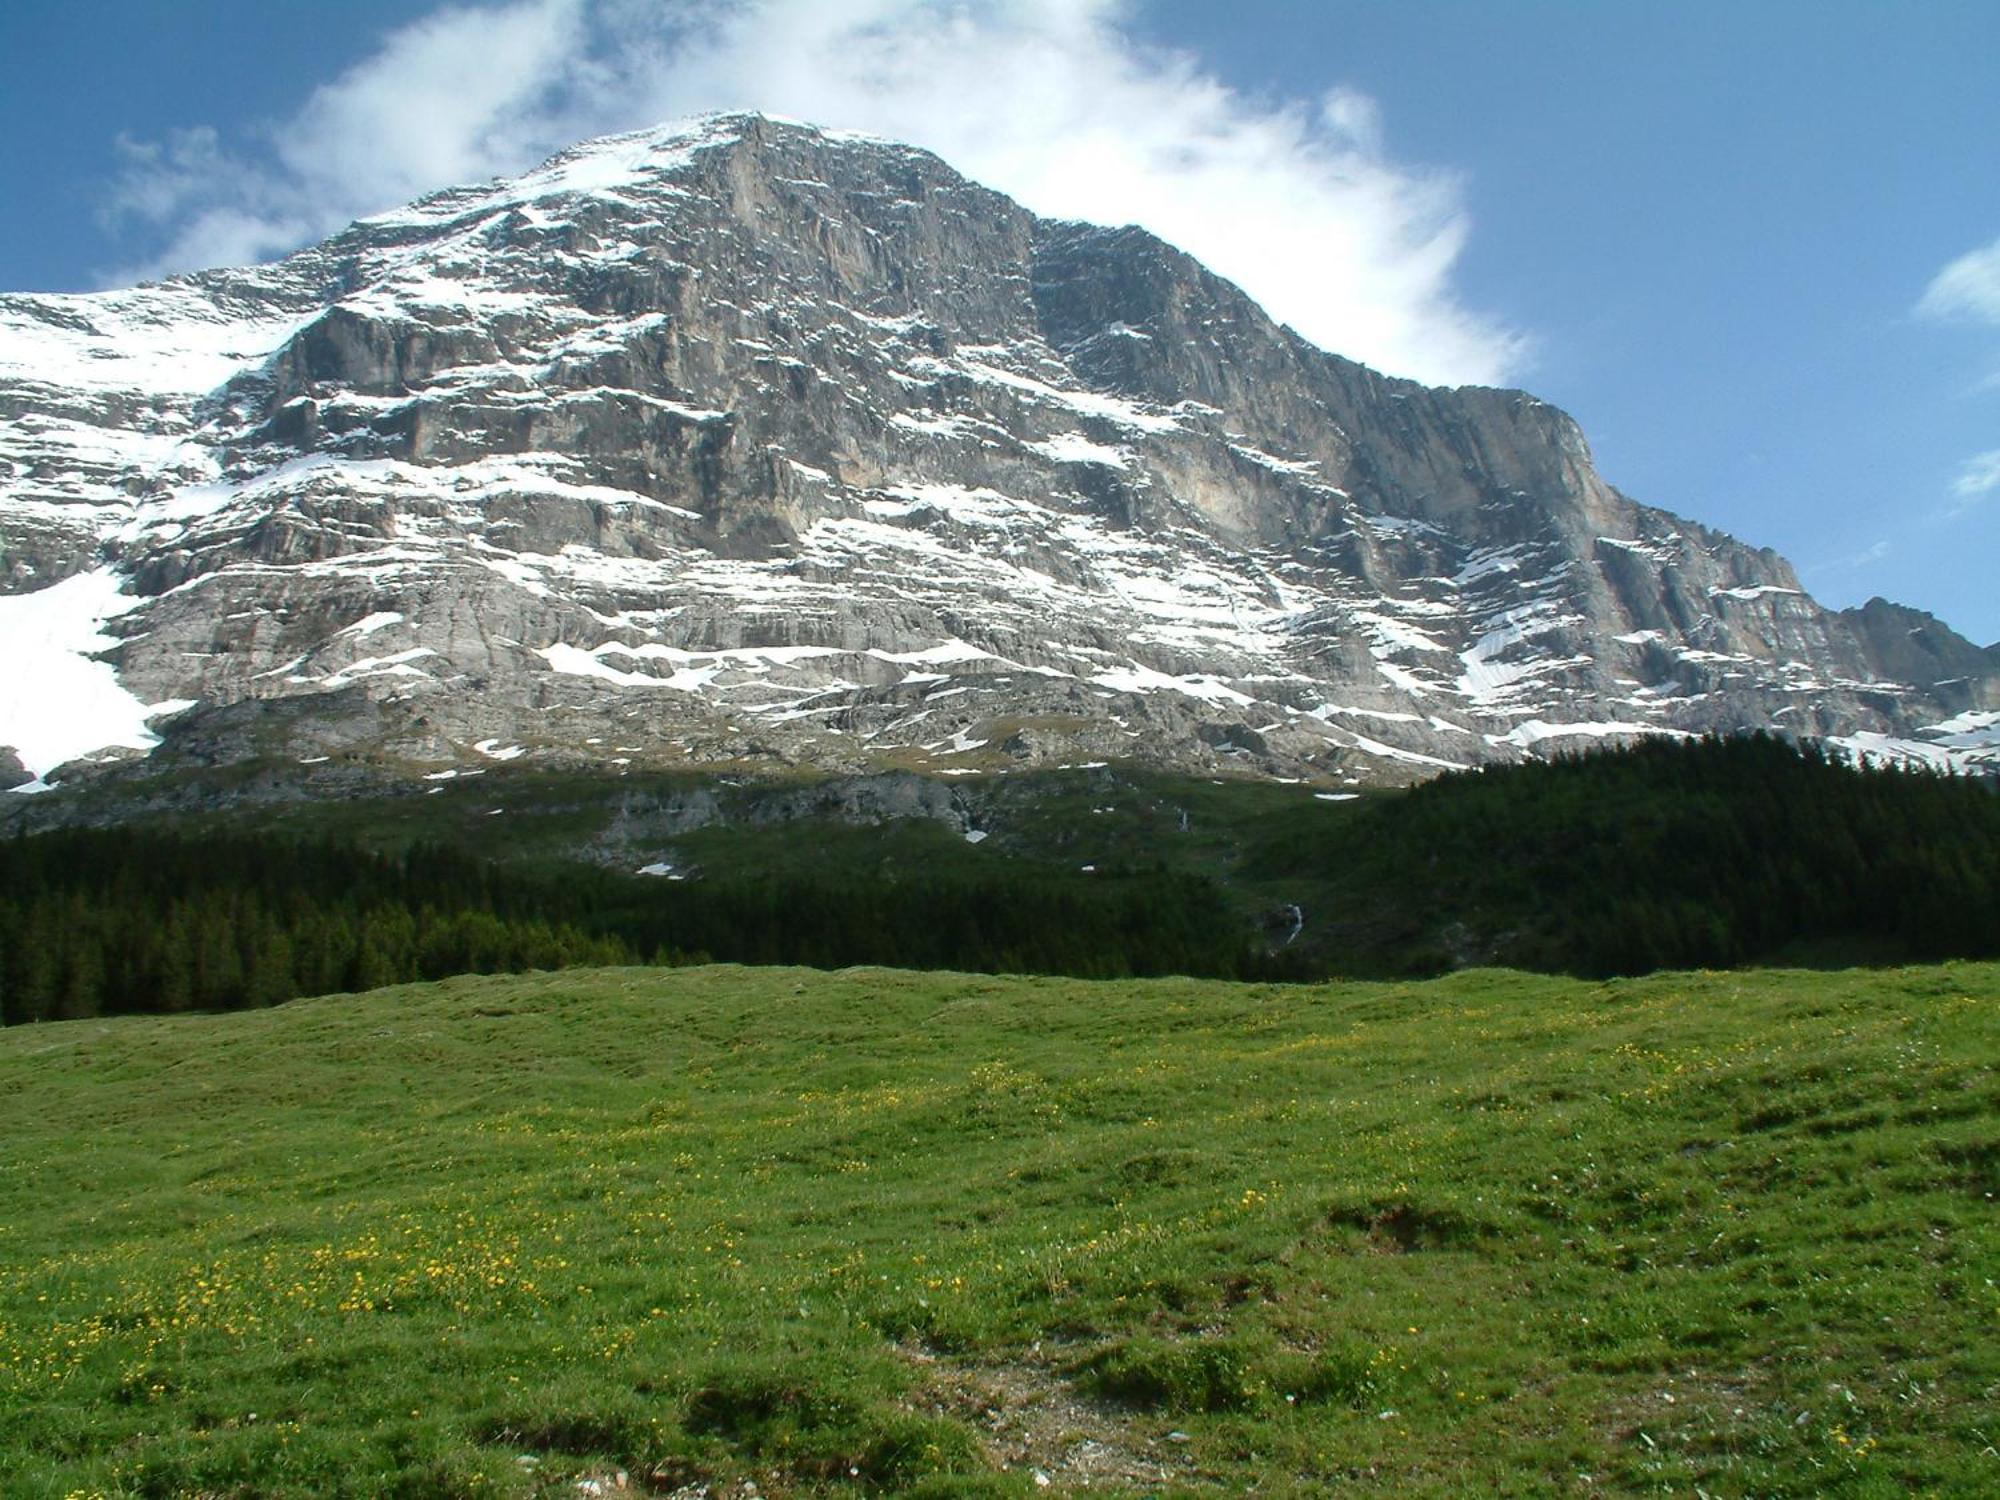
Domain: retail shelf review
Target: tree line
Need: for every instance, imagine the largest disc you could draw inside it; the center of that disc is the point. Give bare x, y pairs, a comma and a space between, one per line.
1663, 854
1709, 852
98, 922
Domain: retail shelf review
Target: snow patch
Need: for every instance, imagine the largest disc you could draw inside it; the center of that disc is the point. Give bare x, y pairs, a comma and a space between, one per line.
397, 665
369, 624
1754, 592
1392, 752
944, 651
1075, 448
56, 702
165, 340
1143, 679
1534, 731
1971, 730
1295, 468
1868, 748
943, 427
1087, 403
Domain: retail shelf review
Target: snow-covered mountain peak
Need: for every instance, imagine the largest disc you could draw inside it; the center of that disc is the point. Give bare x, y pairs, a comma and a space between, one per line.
740, 439
639, 161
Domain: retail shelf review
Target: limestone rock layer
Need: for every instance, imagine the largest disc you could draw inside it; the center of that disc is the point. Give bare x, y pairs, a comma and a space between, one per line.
741, 441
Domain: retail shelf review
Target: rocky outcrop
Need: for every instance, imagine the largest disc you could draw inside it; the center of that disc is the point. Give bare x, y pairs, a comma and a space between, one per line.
746, 442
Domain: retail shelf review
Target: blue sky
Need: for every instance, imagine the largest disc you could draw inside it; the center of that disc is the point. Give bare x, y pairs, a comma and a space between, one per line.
1753, 247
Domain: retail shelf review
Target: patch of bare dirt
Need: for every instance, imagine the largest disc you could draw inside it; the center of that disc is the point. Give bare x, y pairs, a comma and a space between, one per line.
1031, 1419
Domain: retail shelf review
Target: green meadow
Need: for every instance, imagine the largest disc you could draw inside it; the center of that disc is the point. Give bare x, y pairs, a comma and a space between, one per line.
723, 1231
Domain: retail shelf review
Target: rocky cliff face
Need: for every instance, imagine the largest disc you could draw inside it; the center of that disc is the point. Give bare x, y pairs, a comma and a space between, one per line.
745, 441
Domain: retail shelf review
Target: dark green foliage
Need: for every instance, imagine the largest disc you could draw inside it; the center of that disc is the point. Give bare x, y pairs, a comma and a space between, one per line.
1011, 918
1666, 854
95, 922
1710, 853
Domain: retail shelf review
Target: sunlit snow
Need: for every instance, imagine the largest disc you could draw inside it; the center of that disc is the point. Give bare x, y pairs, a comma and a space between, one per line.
56, 702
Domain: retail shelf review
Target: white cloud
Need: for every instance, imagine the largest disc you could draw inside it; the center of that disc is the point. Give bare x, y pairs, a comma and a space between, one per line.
1967, 288
1050, 101
1978, 477
1867, 557
460, 96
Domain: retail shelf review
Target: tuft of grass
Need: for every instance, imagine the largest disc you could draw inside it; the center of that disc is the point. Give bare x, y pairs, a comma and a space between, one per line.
823, 1428
1182, 1376
934, 1234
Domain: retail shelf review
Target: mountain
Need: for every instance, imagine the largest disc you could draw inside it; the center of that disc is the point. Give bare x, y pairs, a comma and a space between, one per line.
741, 441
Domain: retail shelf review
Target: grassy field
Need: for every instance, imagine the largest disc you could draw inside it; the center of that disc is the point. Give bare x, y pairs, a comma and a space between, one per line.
699, 1230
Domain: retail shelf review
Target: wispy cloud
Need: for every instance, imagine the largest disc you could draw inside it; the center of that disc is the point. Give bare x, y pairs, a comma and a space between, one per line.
1866, 557
464, 94
1051, 101
1967, 288
1978, 477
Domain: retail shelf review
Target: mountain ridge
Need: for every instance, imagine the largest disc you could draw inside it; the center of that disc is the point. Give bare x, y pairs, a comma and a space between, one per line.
741, 441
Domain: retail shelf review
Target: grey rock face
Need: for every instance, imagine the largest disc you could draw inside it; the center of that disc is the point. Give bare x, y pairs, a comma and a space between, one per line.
643, 826
747, 442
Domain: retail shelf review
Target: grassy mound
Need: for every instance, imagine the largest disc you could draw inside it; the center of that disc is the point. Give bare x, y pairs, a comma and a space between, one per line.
941, 1234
